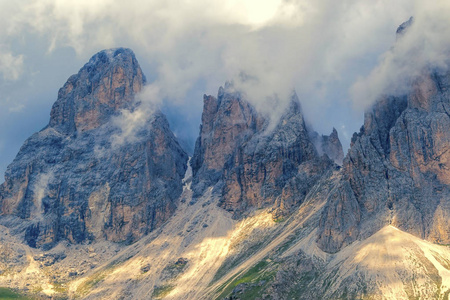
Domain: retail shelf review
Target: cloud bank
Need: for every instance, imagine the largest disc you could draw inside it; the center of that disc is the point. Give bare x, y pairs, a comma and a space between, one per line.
424, 45
336, 54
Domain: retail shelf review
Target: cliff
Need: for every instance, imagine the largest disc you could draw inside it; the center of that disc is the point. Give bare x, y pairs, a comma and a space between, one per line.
73, 181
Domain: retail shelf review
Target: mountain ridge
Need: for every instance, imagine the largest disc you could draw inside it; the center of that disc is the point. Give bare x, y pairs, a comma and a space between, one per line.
259, 211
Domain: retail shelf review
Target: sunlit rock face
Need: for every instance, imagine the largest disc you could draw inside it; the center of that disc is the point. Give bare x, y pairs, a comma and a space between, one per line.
76, 180
227, 122
250, 162
397, 170
107, 83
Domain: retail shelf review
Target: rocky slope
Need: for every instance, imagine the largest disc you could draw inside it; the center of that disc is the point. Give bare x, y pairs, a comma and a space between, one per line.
397, 170
252, 164
202, 253
74, 180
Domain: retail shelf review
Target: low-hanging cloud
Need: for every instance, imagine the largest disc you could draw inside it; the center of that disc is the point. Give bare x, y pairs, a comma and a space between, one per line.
40, 190
130, 122
11, 66
284, 44
422, 46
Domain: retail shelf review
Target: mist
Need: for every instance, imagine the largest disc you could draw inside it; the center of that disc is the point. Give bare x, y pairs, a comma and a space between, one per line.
423, 46
339, 56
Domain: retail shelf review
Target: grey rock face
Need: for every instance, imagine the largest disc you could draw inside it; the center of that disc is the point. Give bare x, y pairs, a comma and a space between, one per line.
250, 164
107, 83
332, 147
72, 181
329, 145
227, 122
397, 170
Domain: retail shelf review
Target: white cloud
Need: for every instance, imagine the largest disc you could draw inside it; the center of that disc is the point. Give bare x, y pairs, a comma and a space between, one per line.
130, 122
17, 108
423, 46
11, 66
322, 48
40, 190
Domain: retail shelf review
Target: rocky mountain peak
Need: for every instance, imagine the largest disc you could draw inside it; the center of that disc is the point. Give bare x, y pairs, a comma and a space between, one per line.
249, 163
328, 145
332, 147
75, 181
397, 169
86, 180
430, 92
401, 30
107, 83
226, 121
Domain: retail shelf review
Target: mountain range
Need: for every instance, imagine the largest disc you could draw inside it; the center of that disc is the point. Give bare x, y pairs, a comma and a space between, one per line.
104, 203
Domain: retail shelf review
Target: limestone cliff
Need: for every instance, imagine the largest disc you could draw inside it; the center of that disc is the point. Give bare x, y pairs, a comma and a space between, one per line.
266, 214
397, 170
250, 163
73, 180
329, 145
107, 83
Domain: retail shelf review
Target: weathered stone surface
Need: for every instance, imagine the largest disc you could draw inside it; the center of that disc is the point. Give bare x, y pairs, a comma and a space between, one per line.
332, 147
329, 145
71, 181
397, 170
107, 83
250, 163
227, 122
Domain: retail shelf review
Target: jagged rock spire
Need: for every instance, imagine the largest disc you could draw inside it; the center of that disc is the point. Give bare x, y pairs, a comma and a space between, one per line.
107, 83
250, 163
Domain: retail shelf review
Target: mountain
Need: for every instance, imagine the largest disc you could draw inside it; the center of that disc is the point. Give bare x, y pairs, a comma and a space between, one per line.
75, 181
249, 163
96, 206
397, 171
328, 144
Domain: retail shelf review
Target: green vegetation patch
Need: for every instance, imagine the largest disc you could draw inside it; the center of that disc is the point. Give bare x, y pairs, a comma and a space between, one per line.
173, 270
159, 292
288, 243
252, 282
232, 262
94, 279
279, 219
60, 287
6, 294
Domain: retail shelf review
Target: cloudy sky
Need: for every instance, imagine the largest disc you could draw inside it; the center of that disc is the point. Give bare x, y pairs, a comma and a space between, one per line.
338, 55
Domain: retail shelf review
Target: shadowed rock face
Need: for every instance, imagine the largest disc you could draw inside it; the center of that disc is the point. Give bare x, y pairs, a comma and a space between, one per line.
72, 181
397, 170
329, 145
250, 164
